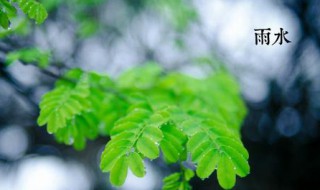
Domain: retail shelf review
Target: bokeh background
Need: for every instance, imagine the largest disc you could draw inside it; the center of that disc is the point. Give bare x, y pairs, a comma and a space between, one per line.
279, 83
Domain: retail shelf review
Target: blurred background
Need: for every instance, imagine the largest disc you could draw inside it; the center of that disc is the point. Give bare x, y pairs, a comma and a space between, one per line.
279, 83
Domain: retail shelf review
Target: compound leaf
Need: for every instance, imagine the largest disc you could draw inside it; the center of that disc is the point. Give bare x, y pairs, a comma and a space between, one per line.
188, 119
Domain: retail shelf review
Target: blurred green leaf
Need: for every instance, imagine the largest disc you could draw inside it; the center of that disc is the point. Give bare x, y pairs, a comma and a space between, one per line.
88, 27
178, 180
19, 26
179, 12
8, 8
29, 55
4, 20
51, 4
33, 9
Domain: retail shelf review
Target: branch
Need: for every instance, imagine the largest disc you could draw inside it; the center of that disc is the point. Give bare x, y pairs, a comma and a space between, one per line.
61, 77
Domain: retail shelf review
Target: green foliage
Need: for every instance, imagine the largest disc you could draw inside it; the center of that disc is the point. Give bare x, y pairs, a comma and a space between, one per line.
50, 4
6, 11
8, 8
88, 27
4, 20
178, 181
29, 55
147, 111
179, 12
33, 9
173, 143
19, 26
63, 103
84, 14
75, 111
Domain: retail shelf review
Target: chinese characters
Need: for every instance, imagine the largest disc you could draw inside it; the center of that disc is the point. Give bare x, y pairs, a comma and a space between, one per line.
262, 36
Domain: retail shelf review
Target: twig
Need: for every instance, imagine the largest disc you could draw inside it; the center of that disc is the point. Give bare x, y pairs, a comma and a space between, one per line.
61, 77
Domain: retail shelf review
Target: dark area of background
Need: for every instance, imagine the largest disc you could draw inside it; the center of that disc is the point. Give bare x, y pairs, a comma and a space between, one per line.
281, 130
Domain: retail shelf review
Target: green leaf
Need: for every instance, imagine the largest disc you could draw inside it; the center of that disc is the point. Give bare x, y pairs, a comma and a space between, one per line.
118, 173
55, 121
136, 164
8, 8
196, 141
4, 20
188, 174
88, 27
179, 180
78, 130
29, 55
51, 4
62, 104
173, 143
239, 162
33, 9
134, 79
110, 157
153, 133
171, 182
207, 164
226, 172
236, 144
148, 148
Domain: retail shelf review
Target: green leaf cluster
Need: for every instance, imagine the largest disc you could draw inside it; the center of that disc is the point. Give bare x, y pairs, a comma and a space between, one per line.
7, 10
149, 113
29, 55
33, 9
178, 180
74, 111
